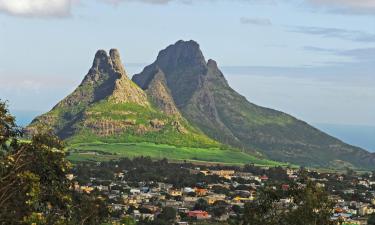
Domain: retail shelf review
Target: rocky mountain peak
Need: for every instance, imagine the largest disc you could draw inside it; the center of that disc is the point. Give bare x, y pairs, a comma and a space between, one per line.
212, 63
116, 61
101, 61
182, 53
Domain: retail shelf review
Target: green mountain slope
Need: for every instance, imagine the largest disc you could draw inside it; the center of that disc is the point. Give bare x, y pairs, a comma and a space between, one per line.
108, 107
205, 99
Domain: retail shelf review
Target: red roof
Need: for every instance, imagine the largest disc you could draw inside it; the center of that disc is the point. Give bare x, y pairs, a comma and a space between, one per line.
198, 213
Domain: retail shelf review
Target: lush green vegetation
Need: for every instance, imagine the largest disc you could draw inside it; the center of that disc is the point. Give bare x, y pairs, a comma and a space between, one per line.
34, 188
106, 151
138, 127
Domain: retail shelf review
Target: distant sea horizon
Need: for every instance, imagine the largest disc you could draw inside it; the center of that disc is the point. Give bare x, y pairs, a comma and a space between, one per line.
357, 135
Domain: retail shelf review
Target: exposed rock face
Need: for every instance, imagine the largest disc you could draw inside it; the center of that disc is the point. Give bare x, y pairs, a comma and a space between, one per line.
205, 99
160, 94
184, 57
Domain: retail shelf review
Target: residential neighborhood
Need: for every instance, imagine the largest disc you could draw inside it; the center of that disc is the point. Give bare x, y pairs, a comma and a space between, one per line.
214, 194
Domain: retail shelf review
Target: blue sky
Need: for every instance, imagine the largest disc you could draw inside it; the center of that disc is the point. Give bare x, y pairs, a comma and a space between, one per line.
311, 58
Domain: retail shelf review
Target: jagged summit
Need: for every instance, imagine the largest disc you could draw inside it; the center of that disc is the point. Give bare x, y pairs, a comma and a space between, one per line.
185, 57
108, 79
116, 61
182, 53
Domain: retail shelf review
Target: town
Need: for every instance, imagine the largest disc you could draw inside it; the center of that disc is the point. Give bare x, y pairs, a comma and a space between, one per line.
141, 190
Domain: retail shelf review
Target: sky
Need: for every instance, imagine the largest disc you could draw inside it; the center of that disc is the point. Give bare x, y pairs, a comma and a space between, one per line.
313, 59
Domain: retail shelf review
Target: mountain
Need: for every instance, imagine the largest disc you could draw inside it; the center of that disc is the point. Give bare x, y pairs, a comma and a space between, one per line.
107, 106
203, 96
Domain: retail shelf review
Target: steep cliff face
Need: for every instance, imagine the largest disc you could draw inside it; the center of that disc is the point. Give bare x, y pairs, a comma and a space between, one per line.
107, 105
160, 94
205, 99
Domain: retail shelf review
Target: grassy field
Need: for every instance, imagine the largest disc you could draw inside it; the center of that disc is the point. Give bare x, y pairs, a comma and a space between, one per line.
106, 151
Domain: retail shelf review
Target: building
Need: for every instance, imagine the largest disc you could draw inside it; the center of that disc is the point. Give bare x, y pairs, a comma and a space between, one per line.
199, 215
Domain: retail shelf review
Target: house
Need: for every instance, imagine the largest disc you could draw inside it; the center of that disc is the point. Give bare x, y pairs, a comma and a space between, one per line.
189, 201
172, 203
86, 189
175, 192
70, 176
183, 210
285, 187
211, 199
199, 214
200, 191
244, 175
264, 178
182, 223
144, 216
135, 191
102, 188
223, 173
188, 190
239, 199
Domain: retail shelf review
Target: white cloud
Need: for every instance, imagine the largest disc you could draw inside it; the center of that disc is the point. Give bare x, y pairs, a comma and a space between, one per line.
348, 6
256, 21
143, 1
351, 35
36, 8
164, 2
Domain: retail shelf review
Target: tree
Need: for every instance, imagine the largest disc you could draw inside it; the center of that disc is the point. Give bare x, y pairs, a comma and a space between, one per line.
219, 208
33, 186
168, 214
313, 207
33, 183
201, 204
88, 209
264, 210
371, 220
309, 206
127, 220
8, 128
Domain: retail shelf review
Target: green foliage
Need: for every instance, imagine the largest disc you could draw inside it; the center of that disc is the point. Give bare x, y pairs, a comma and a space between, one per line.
8, 130
94, 151
219, 208
88, 210
168, 214
201, 204
33, 184
139, 116
371, 220
309, 205
127, 220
